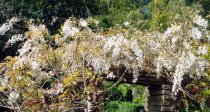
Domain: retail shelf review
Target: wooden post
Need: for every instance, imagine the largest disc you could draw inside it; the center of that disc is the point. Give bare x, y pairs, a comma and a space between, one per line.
95, 99
160, 99
95, 102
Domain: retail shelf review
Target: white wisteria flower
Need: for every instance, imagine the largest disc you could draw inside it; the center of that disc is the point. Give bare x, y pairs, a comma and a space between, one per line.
13, 97
8, 25
135, 48
35, 65
14, 39
96, 63
196, 33
83, 23
59, 88
68, 29
202, 50
4, 81
200, 21
110, 76
172, 30
26, 47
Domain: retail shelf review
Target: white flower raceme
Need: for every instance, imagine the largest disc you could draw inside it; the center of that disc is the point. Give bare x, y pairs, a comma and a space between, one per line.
158, 65
68, 29
4, 28
8, 25
135, 73
200, 68
13, 97
116, 51
115, 43
83, 23
26, 47
37, 31
186, 45
172, 30
173, 41
4, 81
96, 63
162, 62
137, 51
200, 21
109, 43
35, 65
196, 33
14, 39
59, 88
110, 76
202, 50
99, 65
187, 64
153, 45
177, 78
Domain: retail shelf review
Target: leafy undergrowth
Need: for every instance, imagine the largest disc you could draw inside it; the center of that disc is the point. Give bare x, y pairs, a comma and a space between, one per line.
120, 106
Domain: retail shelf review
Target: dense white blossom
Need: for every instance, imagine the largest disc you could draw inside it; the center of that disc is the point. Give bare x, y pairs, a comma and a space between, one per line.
68, 29
59, 88
13, 97
135, 73
161, 62
26, 47
116, 51
202, 50
172, 30
137, 51
14, 39
196, 33
200, 21
173, 41
186, 45
110, 76
158, 62
83, 23
99, 65
38, 28
8, 25
4, 81
114, 43
109, 43
187, 62
96, 64
35, 65
153, 45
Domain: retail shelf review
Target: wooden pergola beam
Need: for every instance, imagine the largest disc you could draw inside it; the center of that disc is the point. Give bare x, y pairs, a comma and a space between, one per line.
145, 78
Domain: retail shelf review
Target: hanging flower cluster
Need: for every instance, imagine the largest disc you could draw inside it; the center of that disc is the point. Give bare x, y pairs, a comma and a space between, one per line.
8, 25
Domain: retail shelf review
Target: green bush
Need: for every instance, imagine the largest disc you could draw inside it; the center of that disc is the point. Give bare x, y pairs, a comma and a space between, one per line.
119, 106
